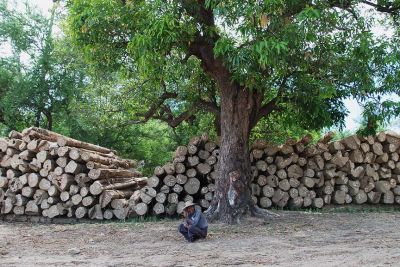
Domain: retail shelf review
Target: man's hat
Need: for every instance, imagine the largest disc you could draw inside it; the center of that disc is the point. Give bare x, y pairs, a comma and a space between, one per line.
188, 204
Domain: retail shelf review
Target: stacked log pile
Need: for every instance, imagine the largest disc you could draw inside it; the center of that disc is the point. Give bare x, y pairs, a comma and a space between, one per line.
353, 170
188, 177
297, 174
48, 174
44, 173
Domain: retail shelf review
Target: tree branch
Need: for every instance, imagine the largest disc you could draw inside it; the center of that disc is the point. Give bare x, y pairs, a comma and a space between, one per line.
386, 9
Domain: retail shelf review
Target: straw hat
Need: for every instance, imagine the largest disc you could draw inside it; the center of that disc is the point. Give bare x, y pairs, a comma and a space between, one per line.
188, 204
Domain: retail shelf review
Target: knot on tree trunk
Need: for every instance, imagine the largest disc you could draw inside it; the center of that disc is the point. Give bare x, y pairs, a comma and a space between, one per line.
236, 187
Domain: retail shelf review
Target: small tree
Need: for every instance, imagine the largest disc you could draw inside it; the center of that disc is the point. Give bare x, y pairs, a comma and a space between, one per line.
242, 61
41, 74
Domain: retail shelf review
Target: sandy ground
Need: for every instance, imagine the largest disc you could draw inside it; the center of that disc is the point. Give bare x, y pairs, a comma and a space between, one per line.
294, 239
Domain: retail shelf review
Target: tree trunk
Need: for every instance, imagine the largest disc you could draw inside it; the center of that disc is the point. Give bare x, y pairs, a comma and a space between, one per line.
233, 197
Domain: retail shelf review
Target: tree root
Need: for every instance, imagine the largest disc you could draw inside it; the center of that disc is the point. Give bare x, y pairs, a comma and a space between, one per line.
263, 213
213, 214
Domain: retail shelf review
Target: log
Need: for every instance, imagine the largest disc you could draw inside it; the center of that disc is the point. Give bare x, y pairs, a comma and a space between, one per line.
81, 212
158, 208
317, 203
74, 167
63, 182
49, 165
178, 188
203, 168
87, 156
351, 142
108, 214
84, 191
382, 186
377, 148
210, 146
281, 174
88, 201
95, 212
339, 197
294, 182
181, 151
284, 185
265, 202
262, 180
293, 192
169, 180
27, 191
96, 174
181, 179
119, 203
161, 197
361, 197
98, 187
159, 171
211, 160
180, 168
193, 161
141, 209
44, 184
172, 198
271, 169
66, 141
82, 179
203, 154
3, 182
94, 165
296, 202
58, 171
32, 208
308, 182
295, 171
192, 186
64, 196
268, 191
272, 180
153, 181
76, 199
33, 180
191, 173
192, 149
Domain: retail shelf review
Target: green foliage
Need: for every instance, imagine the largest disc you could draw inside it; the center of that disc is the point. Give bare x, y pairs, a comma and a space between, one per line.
309, 54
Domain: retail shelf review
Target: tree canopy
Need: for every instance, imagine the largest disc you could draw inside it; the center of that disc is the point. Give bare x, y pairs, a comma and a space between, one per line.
304, 57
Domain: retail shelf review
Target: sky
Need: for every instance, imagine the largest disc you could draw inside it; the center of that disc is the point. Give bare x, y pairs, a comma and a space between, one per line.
354, 116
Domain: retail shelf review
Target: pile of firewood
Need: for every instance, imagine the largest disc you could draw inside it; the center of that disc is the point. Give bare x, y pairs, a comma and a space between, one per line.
188, 177
296, 174
48, 174
352, 170
44, 173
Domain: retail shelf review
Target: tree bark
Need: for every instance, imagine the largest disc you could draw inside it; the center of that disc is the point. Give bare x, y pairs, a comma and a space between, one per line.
233, 197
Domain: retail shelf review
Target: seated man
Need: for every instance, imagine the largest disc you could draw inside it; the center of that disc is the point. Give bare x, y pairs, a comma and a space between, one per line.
195, 224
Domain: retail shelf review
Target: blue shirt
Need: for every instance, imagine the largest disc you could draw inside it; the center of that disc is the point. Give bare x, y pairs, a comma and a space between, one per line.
198, 219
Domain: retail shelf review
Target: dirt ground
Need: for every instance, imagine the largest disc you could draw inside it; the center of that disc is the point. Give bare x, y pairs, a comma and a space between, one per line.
294, 239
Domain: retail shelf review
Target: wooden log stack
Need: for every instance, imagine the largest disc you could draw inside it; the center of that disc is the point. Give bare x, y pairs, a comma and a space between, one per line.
299, 174
296, 174
189, 176
48, 174
44, 173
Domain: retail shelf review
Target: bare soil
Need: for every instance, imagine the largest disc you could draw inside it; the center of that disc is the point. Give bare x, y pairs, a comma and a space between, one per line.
293, 239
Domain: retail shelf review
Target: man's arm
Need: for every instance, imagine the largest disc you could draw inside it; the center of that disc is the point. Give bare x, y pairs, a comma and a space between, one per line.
196, 217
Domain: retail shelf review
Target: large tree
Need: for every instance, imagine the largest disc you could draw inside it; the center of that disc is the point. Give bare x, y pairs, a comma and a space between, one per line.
40, 71
242, 61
